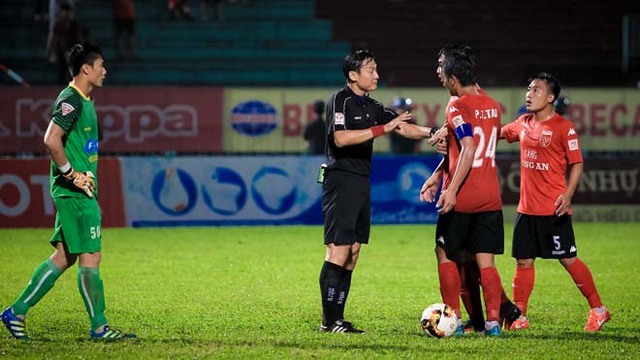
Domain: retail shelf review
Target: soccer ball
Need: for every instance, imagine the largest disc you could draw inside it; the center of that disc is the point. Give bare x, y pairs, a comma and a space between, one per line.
439, 320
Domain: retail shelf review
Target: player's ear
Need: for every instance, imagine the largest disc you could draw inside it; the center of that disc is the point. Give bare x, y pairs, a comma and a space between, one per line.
353, 76
85, 69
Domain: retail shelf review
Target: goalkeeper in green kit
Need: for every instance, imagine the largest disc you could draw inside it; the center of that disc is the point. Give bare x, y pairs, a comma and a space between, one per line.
72, 142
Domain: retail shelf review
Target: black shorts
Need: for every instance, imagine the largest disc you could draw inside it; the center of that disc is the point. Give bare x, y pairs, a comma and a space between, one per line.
547, 237
346, 207
481, 232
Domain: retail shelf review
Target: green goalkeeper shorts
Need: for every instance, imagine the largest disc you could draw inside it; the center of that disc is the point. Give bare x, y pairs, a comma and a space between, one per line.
78, 224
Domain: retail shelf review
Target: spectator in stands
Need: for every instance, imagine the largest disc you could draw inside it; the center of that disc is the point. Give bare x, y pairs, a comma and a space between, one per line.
561, 105
66, 32
125, 15
40, 12
400, 144
316, 131
179, 9
53, 11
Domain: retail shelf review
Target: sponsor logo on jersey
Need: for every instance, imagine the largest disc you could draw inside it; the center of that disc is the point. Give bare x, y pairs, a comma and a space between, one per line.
573, 144
531, 154
338, 119
572, 131
545, 138
66, 108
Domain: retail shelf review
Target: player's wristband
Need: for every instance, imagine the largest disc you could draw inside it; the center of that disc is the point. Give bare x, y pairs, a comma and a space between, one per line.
65, 168
433, 131
377, 130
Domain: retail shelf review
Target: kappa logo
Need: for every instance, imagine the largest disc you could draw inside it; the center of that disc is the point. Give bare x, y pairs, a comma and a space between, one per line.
338, 119
452, 109
440, 239
573, 249
572, 131
66, 108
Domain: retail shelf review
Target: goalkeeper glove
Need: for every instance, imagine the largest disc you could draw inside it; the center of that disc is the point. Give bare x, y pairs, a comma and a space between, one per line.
83, 181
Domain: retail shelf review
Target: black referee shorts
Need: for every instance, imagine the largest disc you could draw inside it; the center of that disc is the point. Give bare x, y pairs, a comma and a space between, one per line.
481, 232
346, 207
547, 237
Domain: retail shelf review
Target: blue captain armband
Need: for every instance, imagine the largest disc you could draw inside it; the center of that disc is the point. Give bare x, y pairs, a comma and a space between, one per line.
463, 130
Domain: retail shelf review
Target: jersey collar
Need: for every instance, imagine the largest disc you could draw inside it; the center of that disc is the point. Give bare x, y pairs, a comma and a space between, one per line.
79, 91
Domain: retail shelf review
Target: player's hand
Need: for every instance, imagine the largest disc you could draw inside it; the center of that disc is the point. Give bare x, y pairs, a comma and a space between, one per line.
442, 147
446, 202
440, 135
397, 121
429, 189
83, 181
562, 204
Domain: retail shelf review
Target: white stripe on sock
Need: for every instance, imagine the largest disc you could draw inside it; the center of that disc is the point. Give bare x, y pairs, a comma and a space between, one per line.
33, 293
86, 295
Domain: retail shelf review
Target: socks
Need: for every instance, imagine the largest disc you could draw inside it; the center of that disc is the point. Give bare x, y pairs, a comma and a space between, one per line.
470, 292
584, 281
92, 292
523, 281
345, 286
42, 280
330, 281
450, 285
491, 288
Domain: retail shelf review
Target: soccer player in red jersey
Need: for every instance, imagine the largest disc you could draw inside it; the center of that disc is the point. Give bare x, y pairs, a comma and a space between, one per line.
548, 146
470, 204
469, 272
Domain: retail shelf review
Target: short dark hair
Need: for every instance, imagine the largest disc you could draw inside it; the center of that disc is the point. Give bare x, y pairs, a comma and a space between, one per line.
462, 65
354, 60
551, 81
80, 54
458, 48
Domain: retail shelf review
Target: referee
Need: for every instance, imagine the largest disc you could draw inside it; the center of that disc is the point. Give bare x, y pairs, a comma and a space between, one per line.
354, 120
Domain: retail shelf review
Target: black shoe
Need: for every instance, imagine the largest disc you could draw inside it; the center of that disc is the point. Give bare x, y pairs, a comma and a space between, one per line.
509, 313
469, 326
340, 326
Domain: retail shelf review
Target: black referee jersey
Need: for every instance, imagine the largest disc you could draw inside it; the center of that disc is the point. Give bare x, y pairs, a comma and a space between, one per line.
348, 111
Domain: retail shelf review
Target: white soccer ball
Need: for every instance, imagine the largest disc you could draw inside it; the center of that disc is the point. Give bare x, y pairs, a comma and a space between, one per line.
439, 320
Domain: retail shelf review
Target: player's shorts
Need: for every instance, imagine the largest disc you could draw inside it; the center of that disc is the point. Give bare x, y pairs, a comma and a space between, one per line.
78, 224
346, 207
547, 237
481, 232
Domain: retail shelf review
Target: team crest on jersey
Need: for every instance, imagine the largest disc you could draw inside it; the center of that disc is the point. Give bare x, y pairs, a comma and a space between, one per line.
338, 119
66, 108
545, 138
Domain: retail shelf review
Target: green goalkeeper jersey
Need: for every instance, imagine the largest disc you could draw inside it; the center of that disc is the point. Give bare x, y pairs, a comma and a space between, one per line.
75, 114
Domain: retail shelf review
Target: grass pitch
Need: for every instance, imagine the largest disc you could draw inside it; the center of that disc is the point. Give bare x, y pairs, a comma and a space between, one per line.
252, 292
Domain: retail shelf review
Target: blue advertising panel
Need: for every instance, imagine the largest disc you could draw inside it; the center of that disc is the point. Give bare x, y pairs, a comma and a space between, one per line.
395, 189
245, 190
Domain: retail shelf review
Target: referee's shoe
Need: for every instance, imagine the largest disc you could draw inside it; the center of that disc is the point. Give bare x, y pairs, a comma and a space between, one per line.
340, 326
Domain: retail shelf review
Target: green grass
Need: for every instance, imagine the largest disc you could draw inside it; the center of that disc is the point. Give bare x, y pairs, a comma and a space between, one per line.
252, 292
